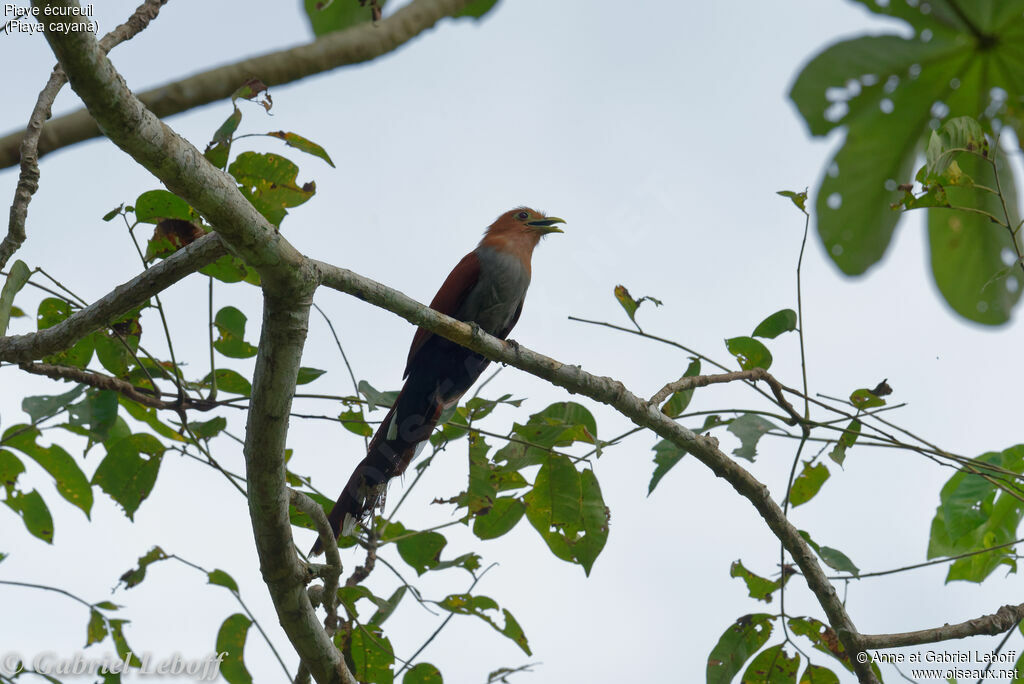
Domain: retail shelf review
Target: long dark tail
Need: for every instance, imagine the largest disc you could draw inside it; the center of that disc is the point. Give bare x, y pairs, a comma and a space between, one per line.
392, 448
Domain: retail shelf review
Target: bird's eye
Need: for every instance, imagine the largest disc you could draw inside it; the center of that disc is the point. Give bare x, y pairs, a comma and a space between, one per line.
522, 216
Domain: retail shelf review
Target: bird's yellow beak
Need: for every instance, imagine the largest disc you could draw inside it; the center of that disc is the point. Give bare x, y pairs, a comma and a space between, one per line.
546, 225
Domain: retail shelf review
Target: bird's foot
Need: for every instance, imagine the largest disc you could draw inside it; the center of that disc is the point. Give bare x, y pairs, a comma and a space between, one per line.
514, 345
475, 329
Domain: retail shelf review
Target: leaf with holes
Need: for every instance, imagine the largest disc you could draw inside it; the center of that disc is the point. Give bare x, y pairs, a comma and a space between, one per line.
482, 607
268, 181
750, 353
740, 641
889, 92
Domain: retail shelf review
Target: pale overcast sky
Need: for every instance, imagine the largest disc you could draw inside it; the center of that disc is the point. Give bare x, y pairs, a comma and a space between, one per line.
660, 131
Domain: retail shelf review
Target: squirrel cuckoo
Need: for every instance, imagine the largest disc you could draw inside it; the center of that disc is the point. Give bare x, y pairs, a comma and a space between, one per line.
486, 288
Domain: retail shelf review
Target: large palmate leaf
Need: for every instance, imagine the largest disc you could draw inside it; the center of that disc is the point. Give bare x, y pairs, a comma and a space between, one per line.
889, 92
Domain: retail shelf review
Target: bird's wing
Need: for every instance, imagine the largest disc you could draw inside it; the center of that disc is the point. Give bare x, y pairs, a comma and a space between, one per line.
515, 319
448, 299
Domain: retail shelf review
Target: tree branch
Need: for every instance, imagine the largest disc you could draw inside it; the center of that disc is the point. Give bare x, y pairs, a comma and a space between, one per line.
106, 382
123, 298
690, 382
285, 323
1005, 619
358, 44
614, 393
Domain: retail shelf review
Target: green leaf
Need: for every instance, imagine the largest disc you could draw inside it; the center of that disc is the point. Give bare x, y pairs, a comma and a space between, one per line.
150, 417
833, 558
96, 630
109, 216
864, 399
97, 412
231, 640
51, 312
890, 92
134, 577
217, 151
846, 440
372, 656
230, 323
481, 606
124, 651
631, 305
476, 9
229, 381
156, 205
967, 248
375, 398
557, 490
499, 519
386, 608
422, 551
129, 470
808, 483
823, 638
758, 587
678, 402
816, 674
749, 427
113, 354
740, 641
231, 269
10, 468
353, 421
208, 429
39, 407
222, 579
596, 519
33, 512
772, 666
958, 135
268, 181
71, 482
666, 455
16, 279
326, 16
483, 486
298, 142
975, 514
749, 352
308, 375
779, 322
798, 198
424, 673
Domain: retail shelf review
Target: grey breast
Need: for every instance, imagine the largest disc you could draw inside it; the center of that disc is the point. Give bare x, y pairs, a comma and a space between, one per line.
498, 292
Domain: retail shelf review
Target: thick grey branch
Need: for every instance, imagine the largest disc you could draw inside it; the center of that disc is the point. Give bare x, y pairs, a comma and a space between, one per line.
1003, 620
285, 323
353, 46
614, 393
124, 298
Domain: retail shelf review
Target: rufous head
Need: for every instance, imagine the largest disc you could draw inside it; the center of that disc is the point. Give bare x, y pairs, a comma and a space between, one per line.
519, 230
